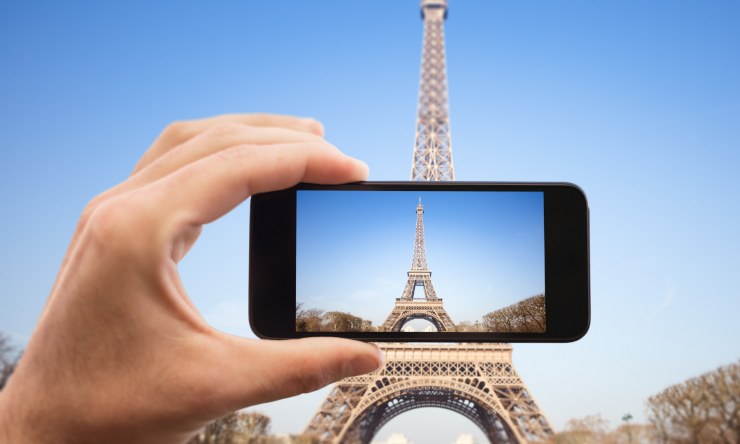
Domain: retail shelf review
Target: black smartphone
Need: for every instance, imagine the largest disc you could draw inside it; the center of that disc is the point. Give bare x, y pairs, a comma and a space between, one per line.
421, 262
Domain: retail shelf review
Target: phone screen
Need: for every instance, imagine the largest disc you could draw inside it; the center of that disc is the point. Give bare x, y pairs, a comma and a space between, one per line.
420, 261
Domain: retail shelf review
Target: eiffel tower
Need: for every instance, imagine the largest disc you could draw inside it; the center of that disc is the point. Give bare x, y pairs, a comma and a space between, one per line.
430, 306
433, 148
476, 380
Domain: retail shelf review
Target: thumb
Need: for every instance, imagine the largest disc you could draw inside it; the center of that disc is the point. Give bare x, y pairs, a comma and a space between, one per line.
267, 370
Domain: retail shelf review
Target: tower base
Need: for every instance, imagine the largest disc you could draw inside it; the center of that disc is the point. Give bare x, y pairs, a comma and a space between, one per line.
475, 380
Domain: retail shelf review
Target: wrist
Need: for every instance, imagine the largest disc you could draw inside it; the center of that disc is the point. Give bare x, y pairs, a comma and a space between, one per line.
20, 421
12, 428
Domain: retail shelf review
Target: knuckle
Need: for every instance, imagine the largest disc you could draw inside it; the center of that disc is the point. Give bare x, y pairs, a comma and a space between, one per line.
111, 224
243, 154
226, 129
175, 131
89, 209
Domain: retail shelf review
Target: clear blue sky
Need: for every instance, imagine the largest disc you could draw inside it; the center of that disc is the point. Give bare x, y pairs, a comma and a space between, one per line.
637, 102
354, 248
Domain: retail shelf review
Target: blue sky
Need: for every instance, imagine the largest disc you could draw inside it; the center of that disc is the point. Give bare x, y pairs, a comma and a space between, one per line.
354, 248
637, 102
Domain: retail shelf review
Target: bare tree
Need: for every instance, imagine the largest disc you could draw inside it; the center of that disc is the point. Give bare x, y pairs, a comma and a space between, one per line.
339, 321
591, 429
702, 410
234, 428
8, 359
467, 326
527, 315
308, 319
314, 320
632, 434
594, 429
287, 439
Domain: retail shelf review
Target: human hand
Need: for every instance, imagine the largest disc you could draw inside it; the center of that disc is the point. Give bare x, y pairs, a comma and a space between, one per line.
120, 353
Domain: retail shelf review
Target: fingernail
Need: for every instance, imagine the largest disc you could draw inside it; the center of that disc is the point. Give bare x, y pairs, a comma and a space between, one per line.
363, 169
381, 356
369, 362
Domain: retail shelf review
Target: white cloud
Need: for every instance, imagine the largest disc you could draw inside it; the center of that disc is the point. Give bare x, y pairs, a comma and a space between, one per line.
669, 295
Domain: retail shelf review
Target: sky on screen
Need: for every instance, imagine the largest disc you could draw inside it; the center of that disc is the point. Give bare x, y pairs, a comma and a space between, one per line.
636, 102
485, 250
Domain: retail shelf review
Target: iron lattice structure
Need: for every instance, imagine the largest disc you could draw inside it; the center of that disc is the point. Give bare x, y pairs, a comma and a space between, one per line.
476, 380
430, 306
433, 146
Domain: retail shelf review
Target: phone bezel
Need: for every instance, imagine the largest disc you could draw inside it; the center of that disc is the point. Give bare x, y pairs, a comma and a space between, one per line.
272, 269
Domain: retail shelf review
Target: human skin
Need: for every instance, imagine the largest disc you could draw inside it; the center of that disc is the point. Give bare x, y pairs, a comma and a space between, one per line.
120, 354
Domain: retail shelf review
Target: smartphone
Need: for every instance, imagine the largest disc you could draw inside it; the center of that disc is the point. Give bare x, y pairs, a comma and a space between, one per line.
421, 262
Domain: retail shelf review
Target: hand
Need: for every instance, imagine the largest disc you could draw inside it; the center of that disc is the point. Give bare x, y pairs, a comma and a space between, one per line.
120, 353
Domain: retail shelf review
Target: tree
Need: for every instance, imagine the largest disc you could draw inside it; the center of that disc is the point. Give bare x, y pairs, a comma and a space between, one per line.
591, 429
632, 434
467, 326
594, 429
8, 361
287, 439
234, 428
339, 321
703, 410
527, 315
308, 320
314, 320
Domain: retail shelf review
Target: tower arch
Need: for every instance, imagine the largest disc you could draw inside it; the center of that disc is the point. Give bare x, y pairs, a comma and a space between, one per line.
398, 397
406, 315
476, 380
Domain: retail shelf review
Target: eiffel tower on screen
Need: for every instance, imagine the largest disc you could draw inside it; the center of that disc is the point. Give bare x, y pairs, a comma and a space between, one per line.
429, 307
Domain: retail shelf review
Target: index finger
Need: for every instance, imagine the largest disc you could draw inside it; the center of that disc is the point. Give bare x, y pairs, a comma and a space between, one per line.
206, 189
178, 133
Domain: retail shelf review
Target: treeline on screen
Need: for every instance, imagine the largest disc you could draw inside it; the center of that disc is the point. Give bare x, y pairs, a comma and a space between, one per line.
526, 316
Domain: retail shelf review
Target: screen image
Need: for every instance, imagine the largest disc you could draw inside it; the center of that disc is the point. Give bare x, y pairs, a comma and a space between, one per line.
420, 261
